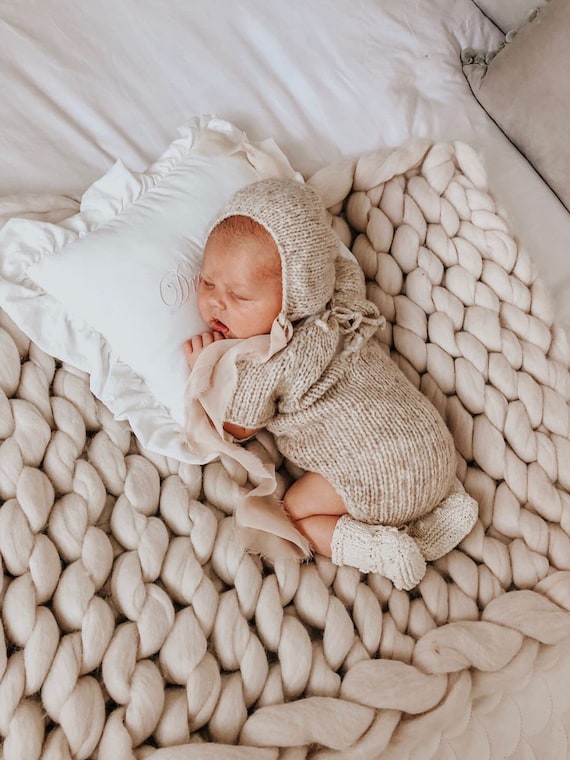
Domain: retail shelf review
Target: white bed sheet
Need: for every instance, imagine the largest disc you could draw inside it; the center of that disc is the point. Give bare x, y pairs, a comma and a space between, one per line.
85, 83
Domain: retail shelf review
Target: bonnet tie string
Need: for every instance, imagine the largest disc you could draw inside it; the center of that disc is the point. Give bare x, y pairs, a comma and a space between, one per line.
355, 326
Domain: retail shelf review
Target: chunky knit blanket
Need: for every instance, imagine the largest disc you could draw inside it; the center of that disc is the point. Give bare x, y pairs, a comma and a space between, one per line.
133, 627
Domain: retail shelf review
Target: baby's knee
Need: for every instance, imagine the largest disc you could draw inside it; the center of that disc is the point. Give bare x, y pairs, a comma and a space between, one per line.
296, 503
311, 495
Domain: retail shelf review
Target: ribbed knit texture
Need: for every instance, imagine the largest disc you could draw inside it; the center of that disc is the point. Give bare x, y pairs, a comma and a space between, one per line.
378, 549
438, 532
352, 417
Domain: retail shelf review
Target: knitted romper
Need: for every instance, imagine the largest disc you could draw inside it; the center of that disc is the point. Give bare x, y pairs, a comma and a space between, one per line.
335, 402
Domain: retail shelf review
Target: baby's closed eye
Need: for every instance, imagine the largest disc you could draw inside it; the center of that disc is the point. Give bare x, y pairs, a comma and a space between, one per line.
205, 282
239, 297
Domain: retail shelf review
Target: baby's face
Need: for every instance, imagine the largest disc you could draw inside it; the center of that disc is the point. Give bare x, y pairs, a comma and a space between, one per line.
239, 295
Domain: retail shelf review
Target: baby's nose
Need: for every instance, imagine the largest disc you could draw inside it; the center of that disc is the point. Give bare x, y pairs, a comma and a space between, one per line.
217, 301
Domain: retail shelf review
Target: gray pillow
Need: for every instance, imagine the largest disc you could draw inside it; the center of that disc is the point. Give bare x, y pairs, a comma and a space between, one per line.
525, 89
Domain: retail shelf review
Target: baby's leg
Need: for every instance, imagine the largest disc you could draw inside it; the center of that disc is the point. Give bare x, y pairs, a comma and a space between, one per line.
320, 515
318, 530
312, 495
314, 506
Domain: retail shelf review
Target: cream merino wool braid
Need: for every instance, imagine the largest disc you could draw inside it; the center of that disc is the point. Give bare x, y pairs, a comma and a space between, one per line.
339, 406
135, 626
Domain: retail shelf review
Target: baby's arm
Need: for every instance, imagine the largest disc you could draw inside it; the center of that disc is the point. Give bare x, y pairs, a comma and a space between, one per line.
238, 432
194, 347
192, 350
253, 404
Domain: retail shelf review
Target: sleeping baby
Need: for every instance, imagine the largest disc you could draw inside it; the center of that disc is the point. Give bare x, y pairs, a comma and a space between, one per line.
291, 348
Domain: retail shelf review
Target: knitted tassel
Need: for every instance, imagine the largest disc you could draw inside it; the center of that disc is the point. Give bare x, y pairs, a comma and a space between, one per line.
439, 531
378, 549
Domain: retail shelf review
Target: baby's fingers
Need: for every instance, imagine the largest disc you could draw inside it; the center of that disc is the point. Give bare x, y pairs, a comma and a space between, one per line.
206, 338
196, 344
188, 350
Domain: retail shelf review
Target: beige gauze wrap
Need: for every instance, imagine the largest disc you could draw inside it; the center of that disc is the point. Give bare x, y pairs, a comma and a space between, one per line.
261, 523
296, 219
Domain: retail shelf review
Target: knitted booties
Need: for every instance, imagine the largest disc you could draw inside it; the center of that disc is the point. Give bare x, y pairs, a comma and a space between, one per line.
378, 549
438, 532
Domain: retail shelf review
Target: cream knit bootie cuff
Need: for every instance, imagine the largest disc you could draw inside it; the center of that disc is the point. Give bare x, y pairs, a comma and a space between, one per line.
438, 532
378, 549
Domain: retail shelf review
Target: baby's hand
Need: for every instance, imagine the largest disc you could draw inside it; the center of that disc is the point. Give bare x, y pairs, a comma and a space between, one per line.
194, 347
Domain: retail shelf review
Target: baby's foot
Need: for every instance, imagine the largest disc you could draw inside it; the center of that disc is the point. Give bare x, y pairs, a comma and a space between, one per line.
378, 549
438, 532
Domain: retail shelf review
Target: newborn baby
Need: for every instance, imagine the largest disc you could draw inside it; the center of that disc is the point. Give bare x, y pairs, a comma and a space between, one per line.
379, 491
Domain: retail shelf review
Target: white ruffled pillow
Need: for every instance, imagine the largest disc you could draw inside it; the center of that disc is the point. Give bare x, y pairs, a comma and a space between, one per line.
111, 289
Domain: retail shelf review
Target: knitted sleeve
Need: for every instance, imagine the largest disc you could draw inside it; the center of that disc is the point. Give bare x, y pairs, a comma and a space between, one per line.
258, 388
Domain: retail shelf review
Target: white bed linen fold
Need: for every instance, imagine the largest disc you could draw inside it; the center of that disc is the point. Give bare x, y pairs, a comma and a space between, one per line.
87, 83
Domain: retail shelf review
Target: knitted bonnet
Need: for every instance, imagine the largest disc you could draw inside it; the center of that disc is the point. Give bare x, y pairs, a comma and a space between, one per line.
296, 219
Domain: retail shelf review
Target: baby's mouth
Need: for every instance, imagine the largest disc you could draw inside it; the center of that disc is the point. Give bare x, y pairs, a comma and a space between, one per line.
220, 327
